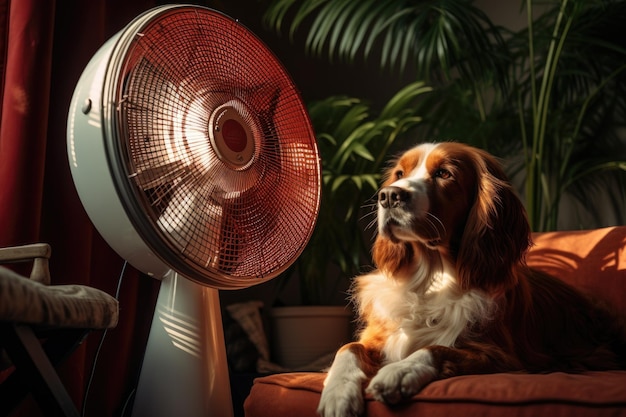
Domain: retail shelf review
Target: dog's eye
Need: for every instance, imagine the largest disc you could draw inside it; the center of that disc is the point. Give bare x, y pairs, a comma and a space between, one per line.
443, 174
399, 174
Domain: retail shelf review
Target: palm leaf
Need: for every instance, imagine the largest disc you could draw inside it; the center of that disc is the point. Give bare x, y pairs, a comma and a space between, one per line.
450, 34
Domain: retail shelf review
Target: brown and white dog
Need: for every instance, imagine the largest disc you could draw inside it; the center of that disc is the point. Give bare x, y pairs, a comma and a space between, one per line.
452, 295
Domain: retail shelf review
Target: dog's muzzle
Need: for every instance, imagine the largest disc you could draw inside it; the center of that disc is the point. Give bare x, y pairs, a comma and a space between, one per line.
392, 197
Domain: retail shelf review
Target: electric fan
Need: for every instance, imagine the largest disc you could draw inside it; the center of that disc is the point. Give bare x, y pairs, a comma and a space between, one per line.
194, 157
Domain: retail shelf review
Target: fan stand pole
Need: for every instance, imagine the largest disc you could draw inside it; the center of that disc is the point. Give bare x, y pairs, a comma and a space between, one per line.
184, 371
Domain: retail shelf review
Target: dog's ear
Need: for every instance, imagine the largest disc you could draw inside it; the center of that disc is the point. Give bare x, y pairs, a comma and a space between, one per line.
497, 233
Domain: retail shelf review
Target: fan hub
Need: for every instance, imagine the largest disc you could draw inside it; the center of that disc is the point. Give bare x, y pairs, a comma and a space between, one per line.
231, 136
234, 135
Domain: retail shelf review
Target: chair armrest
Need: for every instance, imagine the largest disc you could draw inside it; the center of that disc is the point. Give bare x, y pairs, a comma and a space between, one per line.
39, 253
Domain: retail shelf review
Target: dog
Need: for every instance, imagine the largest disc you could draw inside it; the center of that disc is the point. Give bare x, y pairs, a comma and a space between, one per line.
451, 293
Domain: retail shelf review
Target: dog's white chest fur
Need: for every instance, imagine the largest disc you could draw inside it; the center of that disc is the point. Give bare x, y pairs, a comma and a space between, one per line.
419, 314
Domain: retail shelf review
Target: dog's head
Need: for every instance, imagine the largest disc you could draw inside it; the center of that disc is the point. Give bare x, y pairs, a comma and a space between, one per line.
456, 200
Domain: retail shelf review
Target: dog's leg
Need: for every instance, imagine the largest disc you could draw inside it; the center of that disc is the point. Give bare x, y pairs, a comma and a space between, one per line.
405, 378
343, 388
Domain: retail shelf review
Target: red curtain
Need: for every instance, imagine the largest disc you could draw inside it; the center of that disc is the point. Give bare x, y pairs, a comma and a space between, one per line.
44, 46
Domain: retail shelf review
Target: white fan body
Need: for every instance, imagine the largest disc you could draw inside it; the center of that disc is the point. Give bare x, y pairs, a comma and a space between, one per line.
206, 186
184, 370
91, 170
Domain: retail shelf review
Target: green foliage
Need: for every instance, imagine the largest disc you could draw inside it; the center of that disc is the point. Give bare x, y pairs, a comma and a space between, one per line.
427, 34
552, 95
568, 82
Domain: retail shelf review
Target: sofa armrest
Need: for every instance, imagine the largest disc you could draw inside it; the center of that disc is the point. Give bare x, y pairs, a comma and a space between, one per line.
593, 261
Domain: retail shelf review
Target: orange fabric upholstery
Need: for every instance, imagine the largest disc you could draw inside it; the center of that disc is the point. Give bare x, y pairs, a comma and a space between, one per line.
510, 395
593, 260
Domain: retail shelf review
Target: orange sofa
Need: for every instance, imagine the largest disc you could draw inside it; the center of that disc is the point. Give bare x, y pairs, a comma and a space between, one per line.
593, 260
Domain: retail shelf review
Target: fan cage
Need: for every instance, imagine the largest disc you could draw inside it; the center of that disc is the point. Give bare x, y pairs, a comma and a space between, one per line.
210, 147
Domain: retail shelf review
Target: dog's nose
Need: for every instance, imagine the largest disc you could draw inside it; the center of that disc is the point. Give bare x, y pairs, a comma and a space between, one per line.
392, 196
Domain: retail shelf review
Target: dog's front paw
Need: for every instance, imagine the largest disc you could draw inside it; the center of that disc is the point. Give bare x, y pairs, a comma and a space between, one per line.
341, 400
399, 380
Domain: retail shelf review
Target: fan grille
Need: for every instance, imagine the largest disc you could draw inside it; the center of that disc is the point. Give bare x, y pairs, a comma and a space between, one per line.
216, 147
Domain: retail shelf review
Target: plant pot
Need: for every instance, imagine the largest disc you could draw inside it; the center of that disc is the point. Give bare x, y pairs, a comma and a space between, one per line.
303, 334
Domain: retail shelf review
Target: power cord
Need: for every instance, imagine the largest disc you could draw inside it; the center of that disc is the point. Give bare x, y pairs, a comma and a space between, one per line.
104, 333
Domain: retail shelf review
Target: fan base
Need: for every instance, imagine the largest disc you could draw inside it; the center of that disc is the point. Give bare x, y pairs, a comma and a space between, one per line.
185, 372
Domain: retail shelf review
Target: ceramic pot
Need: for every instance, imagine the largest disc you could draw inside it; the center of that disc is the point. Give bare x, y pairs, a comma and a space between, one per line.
303, 334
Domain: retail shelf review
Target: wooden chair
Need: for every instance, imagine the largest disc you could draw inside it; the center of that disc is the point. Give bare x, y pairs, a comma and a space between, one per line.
40, 325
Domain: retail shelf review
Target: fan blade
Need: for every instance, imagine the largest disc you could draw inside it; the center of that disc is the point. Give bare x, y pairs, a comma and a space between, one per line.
156, 176
202, 229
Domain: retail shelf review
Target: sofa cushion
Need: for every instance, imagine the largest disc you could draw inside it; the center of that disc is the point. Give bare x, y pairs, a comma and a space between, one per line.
554, 394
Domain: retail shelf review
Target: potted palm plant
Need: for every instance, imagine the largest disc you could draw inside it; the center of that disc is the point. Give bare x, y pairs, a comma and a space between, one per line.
550, 97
